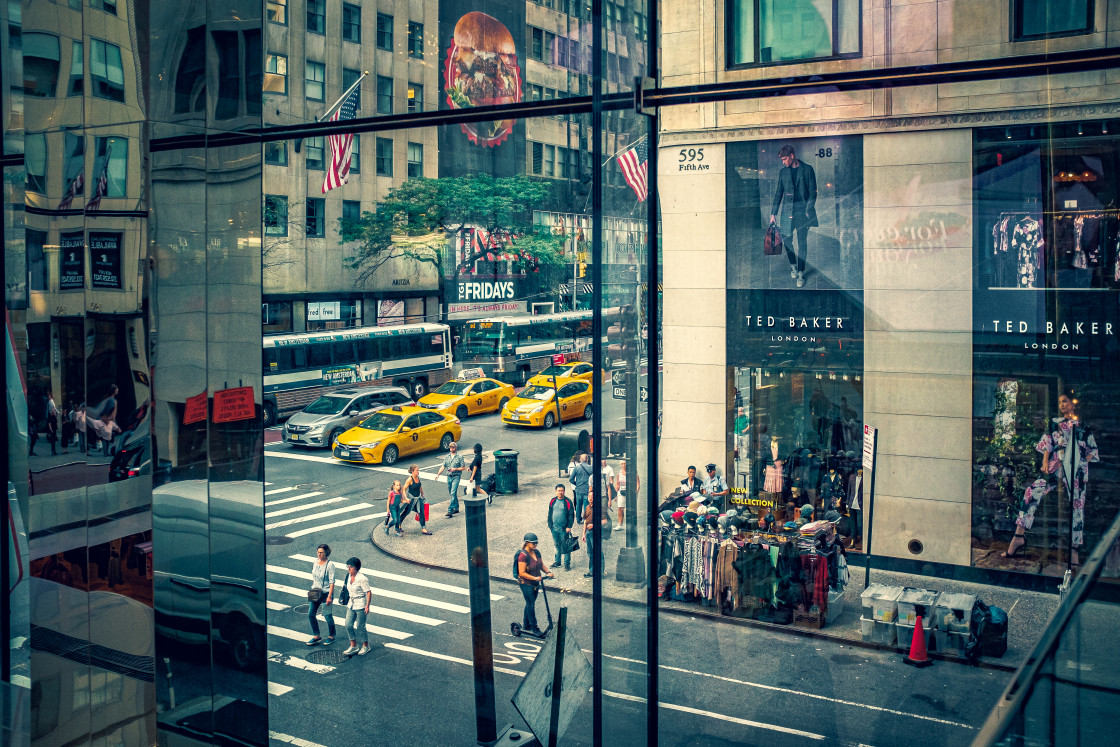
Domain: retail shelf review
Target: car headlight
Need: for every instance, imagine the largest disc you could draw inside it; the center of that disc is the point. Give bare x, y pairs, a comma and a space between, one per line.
536, 410
373, 445
445, 405
316, 429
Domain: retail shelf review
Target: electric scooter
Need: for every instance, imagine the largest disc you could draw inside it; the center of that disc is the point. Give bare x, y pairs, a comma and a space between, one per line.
518, 631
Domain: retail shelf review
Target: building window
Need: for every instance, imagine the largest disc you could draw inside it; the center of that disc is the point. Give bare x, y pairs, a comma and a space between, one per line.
276, 154
416, 40
109, 6
36, 261
415, 97
316, 160
275, 215
542, 45
356, 155
538, 157
384, 31
1037, 19
349, 77
75, 144
77, 70
773, 31
315, 209
277, 11
384, 95
316, 16
549, 161
40, 64
35, 161
351, 211
384, 156
315, 75
276, 73
415, 160
116, 150
352, 23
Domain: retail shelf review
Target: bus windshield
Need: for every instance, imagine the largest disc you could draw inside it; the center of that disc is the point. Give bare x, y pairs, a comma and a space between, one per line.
454, 387
484, 340
382, 421
542, 393
327, 406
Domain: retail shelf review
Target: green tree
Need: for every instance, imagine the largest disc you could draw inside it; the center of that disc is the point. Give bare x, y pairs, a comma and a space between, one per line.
418, 218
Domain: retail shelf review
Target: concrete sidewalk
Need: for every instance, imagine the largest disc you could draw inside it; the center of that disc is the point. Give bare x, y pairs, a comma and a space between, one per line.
511, 516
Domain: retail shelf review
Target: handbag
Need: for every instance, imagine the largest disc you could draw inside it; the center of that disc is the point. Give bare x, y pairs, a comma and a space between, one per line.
314, 595
571, 544
344, 597
772, 243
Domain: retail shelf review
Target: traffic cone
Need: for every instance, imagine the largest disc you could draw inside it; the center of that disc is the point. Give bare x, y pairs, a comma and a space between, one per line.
918, 656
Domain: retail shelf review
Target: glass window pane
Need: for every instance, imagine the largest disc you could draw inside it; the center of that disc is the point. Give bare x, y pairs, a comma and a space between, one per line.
316, 16
1052, 17
35, 160
40, 64
316, 154
415, 160
384, 95
794, 31
315, 76
352, 23
276, 153
277, 11
415, 39
76, 86
384, 156
384, 31
348, 78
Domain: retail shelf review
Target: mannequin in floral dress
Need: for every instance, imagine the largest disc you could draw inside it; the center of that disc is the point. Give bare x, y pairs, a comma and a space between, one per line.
774, 478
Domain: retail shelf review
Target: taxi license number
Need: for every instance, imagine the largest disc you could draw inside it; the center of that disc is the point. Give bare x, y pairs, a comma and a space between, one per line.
293, 437
343, 453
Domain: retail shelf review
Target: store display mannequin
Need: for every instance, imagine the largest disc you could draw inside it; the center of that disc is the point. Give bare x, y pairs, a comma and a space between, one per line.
775, 480
855, 499
832, 487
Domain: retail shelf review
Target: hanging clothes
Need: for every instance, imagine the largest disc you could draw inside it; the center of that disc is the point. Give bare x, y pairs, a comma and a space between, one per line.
725, 577
755, 576
1028, 246
1071, 447
832, 488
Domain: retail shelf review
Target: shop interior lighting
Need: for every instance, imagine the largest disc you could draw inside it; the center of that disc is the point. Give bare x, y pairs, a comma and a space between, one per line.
1008, 131
1104, 128
1079, 130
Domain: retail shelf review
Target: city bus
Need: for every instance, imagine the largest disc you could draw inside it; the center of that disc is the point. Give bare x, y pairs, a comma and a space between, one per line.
513, 348
298, 368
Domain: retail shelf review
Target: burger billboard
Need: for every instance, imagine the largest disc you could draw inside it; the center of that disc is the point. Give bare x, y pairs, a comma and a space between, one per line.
483, 47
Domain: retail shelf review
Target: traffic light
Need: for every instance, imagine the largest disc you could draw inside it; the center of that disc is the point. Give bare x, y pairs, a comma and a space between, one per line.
582, 269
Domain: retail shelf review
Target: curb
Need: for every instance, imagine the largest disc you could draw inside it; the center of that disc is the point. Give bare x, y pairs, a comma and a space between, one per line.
740, 621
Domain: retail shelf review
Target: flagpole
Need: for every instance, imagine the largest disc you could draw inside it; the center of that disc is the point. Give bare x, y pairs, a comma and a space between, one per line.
334, 107
622, 150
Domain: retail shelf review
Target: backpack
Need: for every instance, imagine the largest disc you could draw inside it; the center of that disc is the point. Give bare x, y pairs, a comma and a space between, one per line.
987, 634
516, 560
490, 484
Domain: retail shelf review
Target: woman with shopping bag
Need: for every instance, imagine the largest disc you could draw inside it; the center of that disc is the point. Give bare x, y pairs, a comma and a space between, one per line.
415, 493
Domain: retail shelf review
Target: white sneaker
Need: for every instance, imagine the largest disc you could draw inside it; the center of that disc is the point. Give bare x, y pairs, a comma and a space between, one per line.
350, 650
793, 271
618, 528
363, 650
800, 280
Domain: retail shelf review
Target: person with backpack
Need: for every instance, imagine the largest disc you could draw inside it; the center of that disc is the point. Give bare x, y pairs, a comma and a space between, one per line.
561, 517
579, 475
529, 569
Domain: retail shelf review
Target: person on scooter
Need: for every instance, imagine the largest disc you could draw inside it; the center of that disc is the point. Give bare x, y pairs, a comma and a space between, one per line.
530, 570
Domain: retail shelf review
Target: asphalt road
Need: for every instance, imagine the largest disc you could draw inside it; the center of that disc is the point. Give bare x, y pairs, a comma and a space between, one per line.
720, 683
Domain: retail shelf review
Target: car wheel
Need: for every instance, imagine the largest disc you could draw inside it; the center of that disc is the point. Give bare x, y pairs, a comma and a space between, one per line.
588, 412
549, 420
390, 455
246, 647
269, 415
522, 376
419, 388
333, 437
502, 404
461, 412
445, 442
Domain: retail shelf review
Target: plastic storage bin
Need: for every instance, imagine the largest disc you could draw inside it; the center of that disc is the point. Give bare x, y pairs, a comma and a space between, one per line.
904, 636
908, 602
883, 633
953, 612
883, 602
950, 643
835, 606
866, 629
867, 600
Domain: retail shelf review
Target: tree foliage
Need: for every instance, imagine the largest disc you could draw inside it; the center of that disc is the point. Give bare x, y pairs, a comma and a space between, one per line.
417, 219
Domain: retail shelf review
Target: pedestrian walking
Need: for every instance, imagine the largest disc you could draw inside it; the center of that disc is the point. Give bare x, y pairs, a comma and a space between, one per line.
67, 428
561, 517
622, 486
455, 466
594, 552
80, 426
357, 608
321, 594
415, 493
474, 475
530, 570
32, 434
52, 428
579, 475
608, 486
394, 507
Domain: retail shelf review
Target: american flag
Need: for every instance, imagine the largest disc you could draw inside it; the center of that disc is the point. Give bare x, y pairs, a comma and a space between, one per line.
102, 182
75, 189
338, 172
634, 165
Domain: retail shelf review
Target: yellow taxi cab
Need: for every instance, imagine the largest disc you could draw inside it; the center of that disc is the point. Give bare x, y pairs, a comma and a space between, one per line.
536, 405
564, 372
389, 434
469, 394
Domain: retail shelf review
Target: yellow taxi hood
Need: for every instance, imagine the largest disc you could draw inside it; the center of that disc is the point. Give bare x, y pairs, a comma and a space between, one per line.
359, 436
437, 399
525, 404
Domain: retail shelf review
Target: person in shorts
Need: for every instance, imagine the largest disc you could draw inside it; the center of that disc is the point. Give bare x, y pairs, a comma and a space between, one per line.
474, 475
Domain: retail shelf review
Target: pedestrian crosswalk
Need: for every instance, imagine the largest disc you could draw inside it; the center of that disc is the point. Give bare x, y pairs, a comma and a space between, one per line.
297, 513
402, 608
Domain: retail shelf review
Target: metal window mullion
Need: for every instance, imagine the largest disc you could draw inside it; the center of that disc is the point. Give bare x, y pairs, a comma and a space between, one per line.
597, 363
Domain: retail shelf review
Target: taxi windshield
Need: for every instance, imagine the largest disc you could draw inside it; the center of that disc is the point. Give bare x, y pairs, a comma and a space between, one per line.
382, 421
454, 387
327, 406
555, 371
542, 393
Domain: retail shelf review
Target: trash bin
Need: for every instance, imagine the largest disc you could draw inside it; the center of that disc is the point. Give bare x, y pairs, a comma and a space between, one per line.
569, 442
505, 471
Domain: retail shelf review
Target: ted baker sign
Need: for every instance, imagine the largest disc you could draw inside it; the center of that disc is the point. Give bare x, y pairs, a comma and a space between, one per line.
1058, 330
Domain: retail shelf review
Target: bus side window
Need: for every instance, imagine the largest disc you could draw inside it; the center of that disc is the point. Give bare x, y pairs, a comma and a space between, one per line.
415, 345
342, 352
367, 350
319, 355
392, 349
270, 362
298, 358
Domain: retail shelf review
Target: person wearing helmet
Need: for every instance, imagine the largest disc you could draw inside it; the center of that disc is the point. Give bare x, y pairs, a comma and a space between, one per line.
530, 569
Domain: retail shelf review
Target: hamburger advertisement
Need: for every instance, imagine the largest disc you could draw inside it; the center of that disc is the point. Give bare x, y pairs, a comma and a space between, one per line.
481, 69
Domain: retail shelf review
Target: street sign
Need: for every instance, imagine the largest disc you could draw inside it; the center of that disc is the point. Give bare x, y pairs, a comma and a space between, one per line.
618, 378
643, 394
869, 435
618, 392
533, 699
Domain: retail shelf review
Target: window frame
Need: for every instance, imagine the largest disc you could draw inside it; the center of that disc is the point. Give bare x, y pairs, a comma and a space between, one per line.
319, 144
379, 158
356, 154
280, 146
283, 4
280, 226
380, 81
729, 44
348, 206
355, 26
96, 82
379, 33
308, 82
1016, 26
270, 57
416, 42
315, 220
47, 89
349, 76
101, 145
410, 163
415, 102
319, 26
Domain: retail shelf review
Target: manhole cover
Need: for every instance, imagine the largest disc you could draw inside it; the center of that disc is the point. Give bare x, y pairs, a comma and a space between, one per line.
625, 621
304, 485
325, 656
278, 539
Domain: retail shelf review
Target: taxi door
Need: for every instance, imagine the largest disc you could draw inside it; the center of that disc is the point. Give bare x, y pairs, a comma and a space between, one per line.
563, 398
430, 430
409, 443
476, 398
489, 395
574, 397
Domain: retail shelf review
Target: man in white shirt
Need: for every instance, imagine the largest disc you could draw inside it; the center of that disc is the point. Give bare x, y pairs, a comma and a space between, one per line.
715, 487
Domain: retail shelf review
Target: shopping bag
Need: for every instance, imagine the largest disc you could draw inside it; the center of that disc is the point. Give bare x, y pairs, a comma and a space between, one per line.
571, 544
772, 242
427, 516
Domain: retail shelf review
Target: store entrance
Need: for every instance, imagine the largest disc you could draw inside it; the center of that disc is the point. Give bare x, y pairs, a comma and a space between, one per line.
795, 442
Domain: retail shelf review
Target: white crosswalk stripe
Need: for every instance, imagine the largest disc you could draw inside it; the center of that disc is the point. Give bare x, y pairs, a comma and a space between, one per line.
275, 688
274, 491
335, 525
374, 610
313, 517
305, 507
378, 591
292, 499
298, 663
461, 590
340, 622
